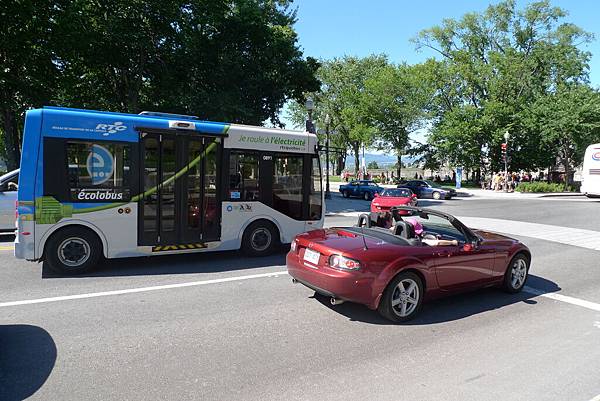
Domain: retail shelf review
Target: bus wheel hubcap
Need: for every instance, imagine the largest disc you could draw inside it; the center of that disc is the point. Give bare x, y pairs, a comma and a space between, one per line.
261, 239
73, 252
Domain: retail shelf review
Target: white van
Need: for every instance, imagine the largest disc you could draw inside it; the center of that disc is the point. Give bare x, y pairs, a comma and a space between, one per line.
590, 176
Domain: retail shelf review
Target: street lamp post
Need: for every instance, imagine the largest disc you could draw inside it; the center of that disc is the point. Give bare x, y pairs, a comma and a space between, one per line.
310, 105
327, 122
506, 136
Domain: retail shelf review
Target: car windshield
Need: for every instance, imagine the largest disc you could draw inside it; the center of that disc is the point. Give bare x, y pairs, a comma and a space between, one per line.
396, 193
433, 184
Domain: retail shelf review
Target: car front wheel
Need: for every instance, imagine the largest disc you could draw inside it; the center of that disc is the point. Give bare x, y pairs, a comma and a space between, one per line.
345, 194
516, 274
436, 195
402, 298
367, 196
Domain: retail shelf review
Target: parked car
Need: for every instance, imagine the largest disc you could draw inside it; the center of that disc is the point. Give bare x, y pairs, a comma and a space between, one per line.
393, 272
9, 184
390, 197
428, 189
365, 189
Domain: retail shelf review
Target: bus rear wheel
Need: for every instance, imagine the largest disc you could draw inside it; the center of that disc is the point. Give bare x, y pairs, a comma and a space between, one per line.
73, 250
260, 238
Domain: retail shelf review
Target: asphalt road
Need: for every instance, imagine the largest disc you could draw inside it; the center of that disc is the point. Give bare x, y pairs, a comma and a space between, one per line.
233, 328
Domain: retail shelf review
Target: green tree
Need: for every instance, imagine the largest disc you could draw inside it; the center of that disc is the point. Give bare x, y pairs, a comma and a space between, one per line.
567, 121
372, 165
493, 64
396, 99
27, 73
235, 61
342, 92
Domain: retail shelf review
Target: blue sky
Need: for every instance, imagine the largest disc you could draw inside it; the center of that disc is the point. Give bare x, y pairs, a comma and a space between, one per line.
334, 28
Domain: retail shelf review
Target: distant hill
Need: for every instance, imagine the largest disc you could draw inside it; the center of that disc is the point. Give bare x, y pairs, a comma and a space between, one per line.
381, 159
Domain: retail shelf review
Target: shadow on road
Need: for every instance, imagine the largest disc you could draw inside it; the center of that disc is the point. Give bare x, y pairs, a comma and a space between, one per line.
210, 262
27, 356
451, 308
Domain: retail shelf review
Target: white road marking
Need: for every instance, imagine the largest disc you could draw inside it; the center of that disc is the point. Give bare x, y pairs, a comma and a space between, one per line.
564, 298
141, 289
579, 237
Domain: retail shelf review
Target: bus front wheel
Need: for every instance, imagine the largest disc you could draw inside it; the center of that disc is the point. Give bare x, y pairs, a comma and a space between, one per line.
73, 250
260, 238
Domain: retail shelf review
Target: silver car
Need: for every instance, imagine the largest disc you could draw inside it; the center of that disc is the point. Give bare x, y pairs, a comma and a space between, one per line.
9, 183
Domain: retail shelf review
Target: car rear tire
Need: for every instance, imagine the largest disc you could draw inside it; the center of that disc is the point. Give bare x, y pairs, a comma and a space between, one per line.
345, 193
367, 196
436, 195
516, 274
73, 250
260, 238
402, 298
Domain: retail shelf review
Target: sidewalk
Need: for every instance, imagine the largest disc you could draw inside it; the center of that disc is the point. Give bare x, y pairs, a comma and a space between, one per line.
481, 193
484, 193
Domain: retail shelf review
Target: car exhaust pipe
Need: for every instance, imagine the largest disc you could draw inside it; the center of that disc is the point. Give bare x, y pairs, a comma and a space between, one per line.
294, 281
336, 301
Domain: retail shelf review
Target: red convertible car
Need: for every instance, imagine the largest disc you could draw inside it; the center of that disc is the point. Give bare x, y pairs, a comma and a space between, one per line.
391, 197
426, 254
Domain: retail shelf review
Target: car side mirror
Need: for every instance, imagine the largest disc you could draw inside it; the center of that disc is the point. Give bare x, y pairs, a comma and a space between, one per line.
471, 246
376, 194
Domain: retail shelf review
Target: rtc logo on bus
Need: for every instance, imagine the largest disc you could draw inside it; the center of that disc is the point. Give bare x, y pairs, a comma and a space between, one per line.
99, 164
596, 156
111, 128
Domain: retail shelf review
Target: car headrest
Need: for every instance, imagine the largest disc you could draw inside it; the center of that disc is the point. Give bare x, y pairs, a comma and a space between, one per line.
404, 230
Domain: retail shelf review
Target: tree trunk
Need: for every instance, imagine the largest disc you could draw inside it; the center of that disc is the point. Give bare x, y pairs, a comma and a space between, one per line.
399, 169
341, 163
11, 140
356, 150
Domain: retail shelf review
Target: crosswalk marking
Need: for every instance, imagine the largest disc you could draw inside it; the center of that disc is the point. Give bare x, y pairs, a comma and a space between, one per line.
579, 237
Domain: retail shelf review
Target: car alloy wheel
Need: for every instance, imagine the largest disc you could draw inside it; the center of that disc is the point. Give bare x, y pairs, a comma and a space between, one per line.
346, 194
367, 196
436, 196
518, 273
405, 297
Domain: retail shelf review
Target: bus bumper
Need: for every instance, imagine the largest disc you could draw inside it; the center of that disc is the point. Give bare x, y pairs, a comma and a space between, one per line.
25, 240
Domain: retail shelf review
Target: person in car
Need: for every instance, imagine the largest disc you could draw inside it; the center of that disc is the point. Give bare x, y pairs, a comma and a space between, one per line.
429, 239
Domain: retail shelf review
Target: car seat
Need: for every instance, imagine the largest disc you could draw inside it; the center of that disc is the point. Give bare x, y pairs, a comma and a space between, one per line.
407, 231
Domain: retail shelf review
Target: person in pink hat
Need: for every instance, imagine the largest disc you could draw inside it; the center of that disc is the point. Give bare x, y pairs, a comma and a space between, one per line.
429, 239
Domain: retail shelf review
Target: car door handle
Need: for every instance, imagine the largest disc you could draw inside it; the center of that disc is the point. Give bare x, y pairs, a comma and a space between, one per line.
445, 253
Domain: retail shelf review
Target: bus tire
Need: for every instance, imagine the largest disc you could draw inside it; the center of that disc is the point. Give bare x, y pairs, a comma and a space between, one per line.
260, 238
73, 250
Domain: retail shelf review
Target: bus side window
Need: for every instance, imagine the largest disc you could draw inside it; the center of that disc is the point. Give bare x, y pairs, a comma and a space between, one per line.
243, 176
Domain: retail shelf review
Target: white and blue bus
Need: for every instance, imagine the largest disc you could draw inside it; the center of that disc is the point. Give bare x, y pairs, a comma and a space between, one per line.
100, 184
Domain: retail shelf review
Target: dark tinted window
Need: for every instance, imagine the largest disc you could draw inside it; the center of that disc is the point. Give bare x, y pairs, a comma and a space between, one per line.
287, 185
98, 172
396, 193
315, 197
243, 176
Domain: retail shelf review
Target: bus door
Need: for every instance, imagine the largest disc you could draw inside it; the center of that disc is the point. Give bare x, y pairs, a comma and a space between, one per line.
179, 204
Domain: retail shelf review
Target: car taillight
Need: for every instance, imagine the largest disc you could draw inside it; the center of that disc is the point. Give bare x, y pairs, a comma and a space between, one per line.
293, 245
342, 263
